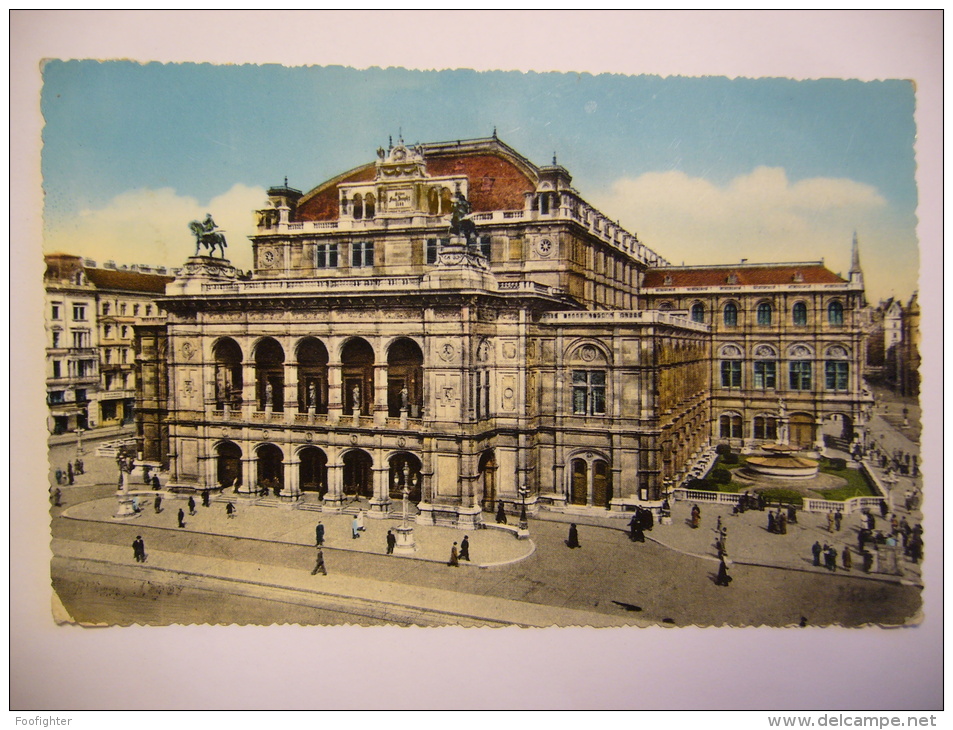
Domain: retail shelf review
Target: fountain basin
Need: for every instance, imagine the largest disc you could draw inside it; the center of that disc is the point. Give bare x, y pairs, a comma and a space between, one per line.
783, 467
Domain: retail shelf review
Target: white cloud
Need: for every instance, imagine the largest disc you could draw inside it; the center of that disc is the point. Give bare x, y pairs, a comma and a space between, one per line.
151, 227
764, 217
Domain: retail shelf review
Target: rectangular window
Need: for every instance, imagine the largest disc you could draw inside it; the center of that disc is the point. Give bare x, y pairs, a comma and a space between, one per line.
79, 312
54, 311
482, 396
57, 369
431, 250
765, 374
107, 381
56, 396
800, 374
589, 392
731, 373
81, 395
485, 247
836, 374
326, 256
765, 428
85, 368
56, 339
80, 339
362, 254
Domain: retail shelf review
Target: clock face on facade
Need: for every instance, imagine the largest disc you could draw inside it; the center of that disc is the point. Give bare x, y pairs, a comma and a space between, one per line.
268, 257
544, 247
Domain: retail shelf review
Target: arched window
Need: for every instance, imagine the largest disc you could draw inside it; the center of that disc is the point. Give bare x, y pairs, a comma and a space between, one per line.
800, 314
270, 375
765, 427
404, 379
835, 313
357, 371
698, 312
228, 374
730, 426
764, 314
731, 314
731, 361
312, 376
369, 205
358, 210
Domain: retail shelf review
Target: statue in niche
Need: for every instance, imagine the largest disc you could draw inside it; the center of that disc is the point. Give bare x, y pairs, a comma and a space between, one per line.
312, 394
356, 397
403, 398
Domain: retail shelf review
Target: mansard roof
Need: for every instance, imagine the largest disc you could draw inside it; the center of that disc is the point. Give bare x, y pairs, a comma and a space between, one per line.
499, 176
131, 281
812, 272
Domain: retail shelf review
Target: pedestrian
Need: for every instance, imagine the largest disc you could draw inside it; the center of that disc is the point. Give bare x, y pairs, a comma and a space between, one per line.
830, 557
155, 481
500, 513
465, 548
59, 476
573, 541
830, 521
81, 469
816, 550
771, 525
720, 548
884, 509
319, 566
181, 517
229, 510
69, 473
696, 516
454, 561
391, 542
139, 549
191, 505
718, 525
360, 520
157, 504
206, 499
723, 579
792, 514
846, 558
868, 560
354, 529
319, 534
916, 548
57, 497
838, 517
782, 523
135, 505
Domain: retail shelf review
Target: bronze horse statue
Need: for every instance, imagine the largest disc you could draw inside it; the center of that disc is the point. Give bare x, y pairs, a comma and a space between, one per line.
207, 235
460, 222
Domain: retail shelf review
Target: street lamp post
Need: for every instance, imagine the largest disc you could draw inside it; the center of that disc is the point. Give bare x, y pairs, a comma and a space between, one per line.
524, 523
405, 544
79, 441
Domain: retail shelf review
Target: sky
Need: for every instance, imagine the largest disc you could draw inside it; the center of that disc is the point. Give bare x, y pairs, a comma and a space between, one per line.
706, 170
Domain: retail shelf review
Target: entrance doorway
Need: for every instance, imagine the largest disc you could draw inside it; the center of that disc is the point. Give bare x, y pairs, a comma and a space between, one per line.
802, 430
404, 466
488, 469
229, 467
358, 475
313, 470
271, 470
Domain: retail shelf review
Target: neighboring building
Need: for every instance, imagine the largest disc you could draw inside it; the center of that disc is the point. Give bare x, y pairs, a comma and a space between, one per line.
908, 356
90, 317
373, 351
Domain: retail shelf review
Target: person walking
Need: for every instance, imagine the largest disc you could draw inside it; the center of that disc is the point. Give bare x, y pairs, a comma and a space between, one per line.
772, 527
69, 473
229, 510
191, 505
782, 523
830, 558
319, 534
696, 516
139, 549
360, 520
723, 579
838, 518
846, 558
157, 504
830, 521
391, 542
155, 481
57, 497
355, 529
573, 541
319, 566
792, 514
465, 548
206, 498
181, 517
816, 550
454, 560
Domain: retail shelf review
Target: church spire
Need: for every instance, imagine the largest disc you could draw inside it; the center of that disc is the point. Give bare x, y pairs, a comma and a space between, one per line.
856, 274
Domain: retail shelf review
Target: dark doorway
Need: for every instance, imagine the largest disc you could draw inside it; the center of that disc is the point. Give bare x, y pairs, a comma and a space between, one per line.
358, 474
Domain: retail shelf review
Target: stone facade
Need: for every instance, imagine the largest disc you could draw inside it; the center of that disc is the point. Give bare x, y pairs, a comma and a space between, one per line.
372, 353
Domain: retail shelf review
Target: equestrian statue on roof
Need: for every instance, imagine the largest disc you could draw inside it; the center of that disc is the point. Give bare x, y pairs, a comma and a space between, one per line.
460, 222
209, 235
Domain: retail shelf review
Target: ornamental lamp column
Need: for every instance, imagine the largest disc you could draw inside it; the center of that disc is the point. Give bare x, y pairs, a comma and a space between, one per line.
405, 533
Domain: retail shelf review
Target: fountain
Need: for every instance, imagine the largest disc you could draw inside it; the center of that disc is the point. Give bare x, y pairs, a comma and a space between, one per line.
782, 462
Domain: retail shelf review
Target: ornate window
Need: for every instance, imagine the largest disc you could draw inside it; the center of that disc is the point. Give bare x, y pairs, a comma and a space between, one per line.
485, 247
799, 373
764, 314
799, 313
326, 256
835, 313
765, 374
433, 248
79, 312
730, 426
589, 392
731, 314
765, 427
837, 369
698, 312
731, 361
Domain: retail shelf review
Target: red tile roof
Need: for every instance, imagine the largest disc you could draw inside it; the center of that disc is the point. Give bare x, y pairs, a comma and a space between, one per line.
135, 281
745, 275
498, 178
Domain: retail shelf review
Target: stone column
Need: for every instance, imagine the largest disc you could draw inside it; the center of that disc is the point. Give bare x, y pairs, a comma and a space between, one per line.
335, 495
249, 471
380, 503
379, 410
292, 471
291, 391
335, 392
249, 399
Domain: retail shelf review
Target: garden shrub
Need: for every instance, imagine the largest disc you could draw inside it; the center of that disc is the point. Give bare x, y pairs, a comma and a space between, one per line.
722, 449
785, 496
721, 476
